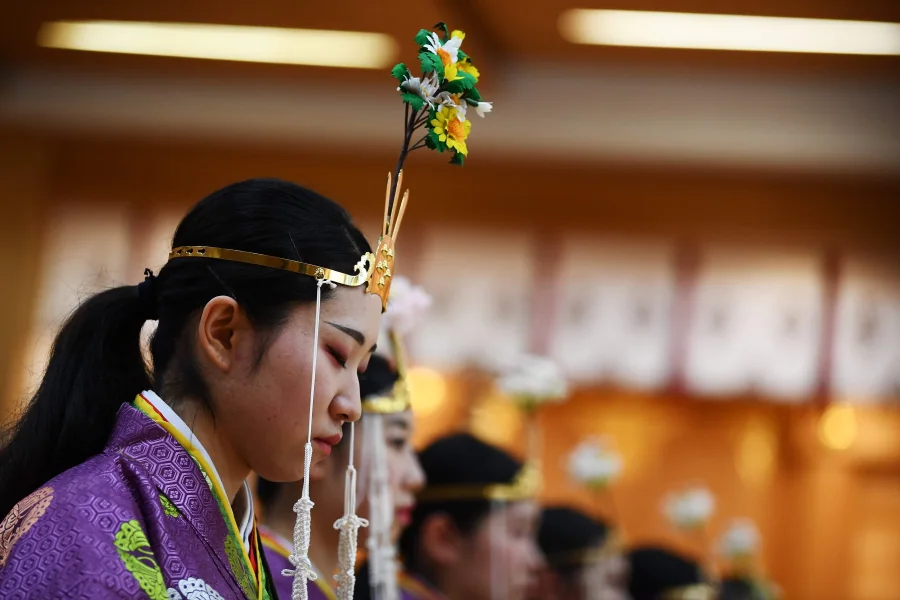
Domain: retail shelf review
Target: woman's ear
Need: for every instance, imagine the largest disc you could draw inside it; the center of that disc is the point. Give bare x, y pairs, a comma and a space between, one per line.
222, 327
441, 540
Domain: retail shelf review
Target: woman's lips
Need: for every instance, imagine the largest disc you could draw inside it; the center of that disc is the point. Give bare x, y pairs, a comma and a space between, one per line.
325, 444
404, 515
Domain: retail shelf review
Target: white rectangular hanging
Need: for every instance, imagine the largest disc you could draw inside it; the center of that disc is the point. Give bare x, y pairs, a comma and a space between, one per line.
866, 352
482, 285
613, 311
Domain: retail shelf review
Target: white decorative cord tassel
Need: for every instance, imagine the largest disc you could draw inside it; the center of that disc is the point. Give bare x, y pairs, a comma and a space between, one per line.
303, 571
349, 526
382, 553
499, 568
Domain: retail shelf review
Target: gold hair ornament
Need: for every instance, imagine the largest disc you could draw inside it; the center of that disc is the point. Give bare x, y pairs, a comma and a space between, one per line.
375, 270
400, 398
525, 486
696, 591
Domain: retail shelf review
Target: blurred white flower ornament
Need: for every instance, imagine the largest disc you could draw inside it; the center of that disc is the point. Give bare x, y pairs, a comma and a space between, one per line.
406, 307
740, 540
691, 508
534, 381
594, 464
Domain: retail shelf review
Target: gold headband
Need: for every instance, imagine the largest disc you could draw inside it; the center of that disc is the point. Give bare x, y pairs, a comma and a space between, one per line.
376, 270
399, 399
696, 591
612, 545
525, 486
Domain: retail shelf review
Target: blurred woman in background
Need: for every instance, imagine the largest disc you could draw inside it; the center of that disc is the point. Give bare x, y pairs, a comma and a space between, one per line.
114, 490
659, 574
583, 559
405, 478
473, 532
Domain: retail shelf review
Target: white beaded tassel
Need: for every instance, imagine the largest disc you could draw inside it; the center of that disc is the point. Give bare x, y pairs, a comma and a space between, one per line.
382, 553
303, 571
349, 526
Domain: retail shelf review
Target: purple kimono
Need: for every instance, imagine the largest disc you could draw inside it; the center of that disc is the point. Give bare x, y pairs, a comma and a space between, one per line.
137, 521
277, 549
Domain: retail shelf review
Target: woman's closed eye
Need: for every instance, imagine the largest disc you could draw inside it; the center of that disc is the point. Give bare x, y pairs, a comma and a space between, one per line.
339, 358
397, 443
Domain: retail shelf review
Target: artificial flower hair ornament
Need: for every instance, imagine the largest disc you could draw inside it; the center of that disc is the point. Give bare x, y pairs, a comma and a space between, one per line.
533, 381
594, 464
740, 541
690, 509
438, 100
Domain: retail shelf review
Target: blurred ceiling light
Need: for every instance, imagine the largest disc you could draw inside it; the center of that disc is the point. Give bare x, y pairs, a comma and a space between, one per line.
838, 427
224, 42
728, 32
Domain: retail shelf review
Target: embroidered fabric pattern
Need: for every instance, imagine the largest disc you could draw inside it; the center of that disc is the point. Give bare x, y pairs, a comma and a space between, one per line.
136, 553
21, 518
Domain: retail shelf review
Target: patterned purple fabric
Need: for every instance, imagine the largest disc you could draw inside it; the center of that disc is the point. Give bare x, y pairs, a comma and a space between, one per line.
137, 521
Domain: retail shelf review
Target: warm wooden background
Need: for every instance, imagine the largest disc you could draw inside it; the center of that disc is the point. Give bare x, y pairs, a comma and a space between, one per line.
831, 520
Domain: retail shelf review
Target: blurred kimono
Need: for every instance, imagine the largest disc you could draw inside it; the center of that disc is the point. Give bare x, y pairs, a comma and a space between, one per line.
414, 588
146, 518
277, 549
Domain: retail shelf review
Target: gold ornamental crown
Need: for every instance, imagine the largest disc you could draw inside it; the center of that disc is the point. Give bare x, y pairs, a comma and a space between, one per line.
375, 270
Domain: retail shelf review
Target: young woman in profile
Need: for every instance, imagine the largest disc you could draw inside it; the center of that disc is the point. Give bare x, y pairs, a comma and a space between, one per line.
119, 482
473, 532
405, 478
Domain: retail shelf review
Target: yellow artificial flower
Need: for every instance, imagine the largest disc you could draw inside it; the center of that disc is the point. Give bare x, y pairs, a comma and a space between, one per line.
451, 130
466, 66
458, 34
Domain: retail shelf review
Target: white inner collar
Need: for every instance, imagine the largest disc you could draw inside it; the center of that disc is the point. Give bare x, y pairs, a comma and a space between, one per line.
243, 502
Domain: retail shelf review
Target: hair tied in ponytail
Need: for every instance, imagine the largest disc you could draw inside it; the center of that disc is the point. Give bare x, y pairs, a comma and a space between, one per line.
147, 296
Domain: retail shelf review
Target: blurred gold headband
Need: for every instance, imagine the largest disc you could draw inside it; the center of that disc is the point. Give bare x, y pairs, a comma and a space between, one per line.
696, 591
399, 399
525, 486
376, 270
586, 556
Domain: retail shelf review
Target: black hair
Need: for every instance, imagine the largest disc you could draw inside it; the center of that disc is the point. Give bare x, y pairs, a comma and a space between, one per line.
655, 570
378, 379
96, 362
459, 459
739, 588
566, 532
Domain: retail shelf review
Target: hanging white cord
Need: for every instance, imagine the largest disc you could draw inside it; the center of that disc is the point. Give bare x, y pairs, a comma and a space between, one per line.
303, 570
382, 552
499, 570
349, 526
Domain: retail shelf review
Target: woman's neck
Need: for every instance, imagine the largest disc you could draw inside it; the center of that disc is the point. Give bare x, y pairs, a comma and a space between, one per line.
231, 469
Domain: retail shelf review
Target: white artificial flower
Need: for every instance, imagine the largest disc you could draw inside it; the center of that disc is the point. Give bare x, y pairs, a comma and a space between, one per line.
406, 306
483, 108
741, 539
425, 88
594, 464
451, 46
533, 381
450, 101
691, 508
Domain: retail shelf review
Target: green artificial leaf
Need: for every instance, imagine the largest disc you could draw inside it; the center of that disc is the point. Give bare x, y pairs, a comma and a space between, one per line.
473, 94
468, 80
471, 102
462, 55
435, 141
431, 62
458, 159
422, 37
399, 72
442, 27
456, 86
414, 100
